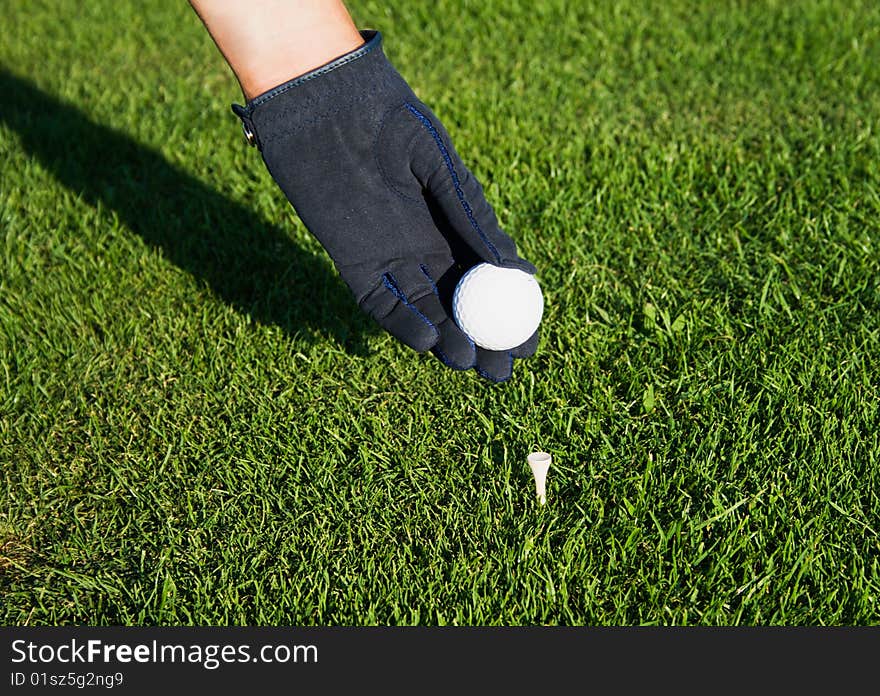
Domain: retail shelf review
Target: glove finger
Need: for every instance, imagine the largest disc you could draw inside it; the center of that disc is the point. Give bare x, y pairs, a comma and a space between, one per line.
494, 365
527, 349
392, 305
454, 349
410, 327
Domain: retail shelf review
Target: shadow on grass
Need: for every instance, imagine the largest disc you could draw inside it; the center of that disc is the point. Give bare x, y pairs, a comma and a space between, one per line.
253, 266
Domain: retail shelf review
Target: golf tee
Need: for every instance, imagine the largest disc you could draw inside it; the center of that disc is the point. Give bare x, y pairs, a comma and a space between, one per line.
539, 463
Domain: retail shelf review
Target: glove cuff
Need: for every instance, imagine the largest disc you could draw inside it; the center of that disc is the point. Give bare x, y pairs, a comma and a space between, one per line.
308, 98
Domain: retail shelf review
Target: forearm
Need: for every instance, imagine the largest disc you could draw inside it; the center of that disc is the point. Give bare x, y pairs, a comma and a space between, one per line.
267, 42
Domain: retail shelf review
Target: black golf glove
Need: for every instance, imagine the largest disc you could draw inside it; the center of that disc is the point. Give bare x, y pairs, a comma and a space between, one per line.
373, 175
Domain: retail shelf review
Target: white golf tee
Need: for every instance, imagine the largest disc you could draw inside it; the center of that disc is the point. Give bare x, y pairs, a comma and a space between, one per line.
539, 463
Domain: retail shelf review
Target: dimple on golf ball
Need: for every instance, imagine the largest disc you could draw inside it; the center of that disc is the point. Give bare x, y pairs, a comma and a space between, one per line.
498, 308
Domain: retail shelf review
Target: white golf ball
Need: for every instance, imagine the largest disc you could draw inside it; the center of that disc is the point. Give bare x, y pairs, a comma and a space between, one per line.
498, 308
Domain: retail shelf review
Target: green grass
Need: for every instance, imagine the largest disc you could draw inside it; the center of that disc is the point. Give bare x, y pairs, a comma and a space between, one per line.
197, 425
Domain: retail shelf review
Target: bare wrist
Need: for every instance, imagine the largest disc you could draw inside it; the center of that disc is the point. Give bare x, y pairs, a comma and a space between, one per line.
288, 58
273, 41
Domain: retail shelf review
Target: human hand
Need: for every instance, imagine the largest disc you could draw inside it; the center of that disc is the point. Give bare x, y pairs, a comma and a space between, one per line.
372, 173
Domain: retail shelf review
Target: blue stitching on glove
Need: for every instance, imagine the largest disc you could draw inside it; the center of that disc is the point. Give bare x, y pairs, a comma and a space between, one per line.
391, 283
440, 354
430, 279
455, 181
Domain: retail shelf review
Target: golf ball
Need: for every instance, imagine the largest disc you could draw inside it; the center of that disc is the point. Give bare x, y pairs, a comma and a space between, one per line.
498, 308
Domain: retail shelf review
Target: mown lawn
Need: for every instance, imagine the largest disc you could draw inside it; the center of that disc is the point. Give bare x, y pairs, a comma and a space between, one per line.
198, 426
